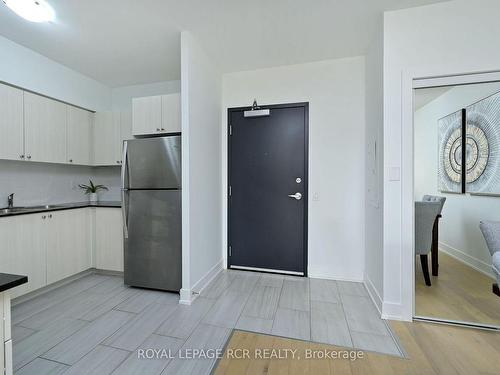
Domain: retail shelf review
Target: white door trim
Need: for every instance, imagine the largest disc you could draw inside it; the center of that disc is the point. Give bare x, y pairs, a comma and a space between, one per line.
412, 80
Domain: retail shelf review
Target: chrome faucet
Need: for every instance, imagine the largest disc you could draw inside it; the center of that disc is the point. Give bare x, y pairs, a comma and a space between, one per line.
10, 201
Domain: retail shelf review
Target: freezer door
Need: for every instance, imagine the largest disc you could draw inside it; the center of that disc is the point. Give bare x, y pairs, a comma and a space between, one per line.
153, 248
153, 163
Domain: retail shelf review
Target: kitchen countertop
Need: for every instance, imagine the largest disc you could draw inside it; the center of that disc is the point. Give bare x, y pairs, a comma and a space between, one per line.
8, 281
63, 206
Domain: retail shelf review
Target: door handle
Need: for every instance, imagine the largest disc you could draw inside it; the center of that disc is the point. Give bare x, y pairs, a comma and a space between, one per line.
297, 196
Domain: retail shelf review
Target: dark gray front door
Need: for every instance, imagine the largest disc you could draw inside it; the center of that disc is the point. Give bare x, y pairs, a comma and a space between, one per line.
268, 189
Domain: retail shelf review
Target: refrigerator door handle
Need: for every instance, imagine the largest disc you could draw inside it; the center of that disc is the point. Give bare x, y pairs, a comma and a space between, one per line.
124, 203
124, 215
124, 164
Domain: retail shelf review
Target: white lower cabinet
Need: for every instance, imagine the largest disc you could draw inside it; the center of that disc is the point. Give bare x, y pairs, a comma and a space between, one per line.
23, 250
68, 243
51, 246
5, 335
108, 239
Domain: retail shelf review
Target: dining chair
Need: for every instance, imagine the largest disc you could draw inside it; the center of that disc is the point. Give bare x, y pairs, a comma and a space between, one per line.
425, 217
435, 232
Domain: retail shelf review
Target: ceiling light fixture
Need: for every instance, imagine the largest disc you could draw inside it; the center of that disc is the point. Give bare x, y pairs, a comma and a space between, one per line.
32, 10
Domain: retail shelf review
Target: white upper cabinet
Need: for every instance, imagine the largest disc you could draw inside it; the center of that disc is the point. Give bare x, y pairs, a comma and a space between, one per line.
125, 131
156, 114
105, 138
45, 129
110, 130
146, 115
79, 131
126, 125
11, 123
171, 113
36, 128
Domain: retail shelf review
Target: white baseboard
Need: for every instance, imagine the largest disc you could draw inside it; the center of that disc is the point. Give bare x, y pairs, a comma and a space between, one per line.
50, 287
187, 296
393, 311
470, 261
374, 294
209, 276
315, 275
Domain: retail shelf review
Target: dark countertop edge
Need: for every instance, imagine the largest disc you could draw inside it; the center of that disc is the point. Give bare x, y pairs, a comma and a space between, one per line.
67, 206
8, 281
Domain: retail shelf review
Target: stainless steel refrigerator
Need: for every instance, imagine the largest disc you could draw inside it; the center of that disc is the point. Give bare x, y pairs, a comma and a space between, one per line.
151, 204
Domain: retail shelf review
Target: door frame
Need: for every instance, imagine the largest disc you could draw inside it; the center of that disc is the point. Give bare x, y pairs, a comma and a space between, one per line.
304, 105
410, 81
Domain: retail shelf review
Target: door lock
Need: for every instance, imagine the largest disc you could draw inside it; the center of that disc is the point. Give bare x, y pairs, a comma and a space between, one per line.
297, 196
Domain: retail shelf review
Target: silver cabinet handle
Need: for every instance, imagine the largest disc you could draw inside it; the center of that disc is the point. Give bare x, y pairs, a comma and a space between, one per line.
297, 196
29, 156
50, 216
71, 160
157, 129
44, 217
21, 156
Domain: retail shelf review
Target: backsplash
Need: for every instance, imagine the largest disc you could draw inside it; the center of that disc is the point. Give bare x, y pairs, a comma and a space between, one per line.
42, 183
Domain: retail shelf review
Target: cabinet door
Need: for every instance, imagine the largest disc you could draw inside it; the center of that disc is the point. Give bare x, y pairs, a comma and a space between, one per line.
45, 129
125, 131
11, 123
171, 113
23, 250
79, 130
146, 115
109, 239
68, 243
105, 139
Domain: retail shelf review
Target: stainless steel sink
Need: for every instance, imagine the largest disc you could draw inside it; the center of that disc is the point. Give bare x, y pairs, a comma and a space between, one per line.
13, 210
46, 207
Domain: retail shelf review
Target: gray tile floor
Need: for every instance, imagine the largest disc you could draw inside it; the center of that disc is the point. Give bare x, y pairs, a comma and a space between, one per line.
96, 325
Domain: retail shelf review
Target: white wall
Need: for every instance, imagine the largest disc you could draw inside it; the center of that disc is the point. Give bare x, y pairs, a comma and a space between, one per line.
374, 120
336, 96
122, 96
41, 183
459, 232
425, 39
27, 69
201, 169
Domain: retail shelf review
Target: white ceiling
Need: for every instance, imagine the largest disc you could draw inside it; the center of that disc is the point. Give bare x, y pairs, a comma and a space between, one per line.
124, 42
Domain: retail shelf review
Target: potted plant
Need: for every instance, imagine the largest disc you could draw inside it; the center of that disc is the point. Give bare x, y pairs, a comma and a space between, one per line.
91, 190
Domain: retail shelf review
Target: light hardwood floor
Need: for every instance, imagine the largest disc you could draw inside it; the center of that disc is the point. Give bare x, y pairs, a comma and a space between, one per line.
431, 349
458, 293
